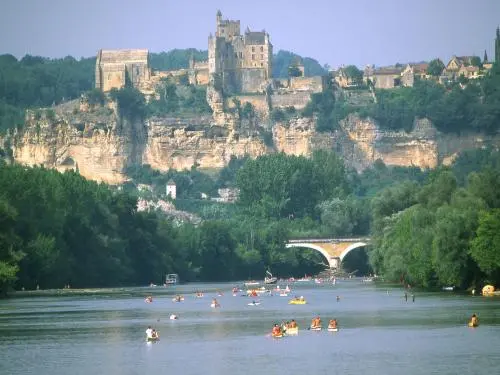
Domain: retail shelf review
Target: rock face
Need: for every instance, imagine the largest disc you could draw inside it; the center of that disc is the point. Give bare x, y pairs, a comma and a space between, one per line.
101, 145
361, 142
299, 137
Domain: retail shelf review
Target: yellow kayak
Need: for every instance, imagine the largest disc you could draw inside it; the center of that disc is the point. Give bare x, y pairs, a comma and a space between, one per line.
292, 331
472, 325
297, 302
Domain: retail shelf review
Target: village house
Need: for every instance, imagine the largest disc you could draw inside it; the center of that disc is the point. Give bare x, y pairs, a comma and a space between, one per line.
171, 189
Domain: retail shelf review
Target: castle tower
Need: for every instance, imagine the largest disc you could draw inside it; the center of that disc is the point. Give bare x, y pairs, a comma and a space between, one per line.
497, 46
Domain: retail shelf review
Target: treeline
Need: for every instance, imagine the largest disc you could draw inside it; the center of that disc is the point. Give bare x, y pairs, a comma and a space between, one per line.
429, 228
35, 81
444, 231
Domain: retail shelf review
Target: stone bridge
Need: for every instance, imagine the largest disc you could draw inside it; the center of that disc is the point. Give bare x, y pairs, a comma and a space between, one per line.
333, 249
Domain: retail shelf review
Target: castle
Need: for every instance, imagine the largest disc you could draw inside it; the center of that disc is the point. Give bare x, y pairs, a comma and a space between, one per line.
241, 63
115, 68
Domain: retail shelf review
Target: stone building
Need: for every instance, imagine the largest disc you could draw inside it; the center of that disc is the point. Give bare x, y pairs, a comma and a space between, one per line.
117, 68
240, 63
383, 78
171, 189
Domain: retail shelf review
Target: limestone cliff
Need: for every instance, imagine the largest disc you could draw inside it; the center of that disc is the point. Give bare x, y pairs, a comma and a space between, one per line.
361, 142
101, 145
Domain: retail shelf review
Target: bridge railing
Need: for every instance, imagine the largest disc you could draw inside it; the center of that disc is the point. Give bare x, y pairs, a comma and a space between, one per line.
324, 240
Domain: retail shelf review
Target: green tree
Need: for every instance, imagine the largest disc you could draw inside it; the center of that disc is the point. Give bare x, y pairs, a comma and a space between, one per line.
435, 67
485, 248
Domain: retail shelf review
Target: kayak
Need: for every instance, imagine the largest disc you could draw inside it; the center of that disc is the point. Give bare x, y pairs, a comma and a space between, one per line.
152, 339
254, 304
315, 328
277, 336
472, 325
177, 300
213, 305
292, 331
297, 302
330, 329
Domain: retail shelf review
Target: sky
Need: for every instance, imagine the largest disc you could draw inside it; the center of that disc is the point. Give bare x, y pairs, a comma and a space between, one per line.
334, 32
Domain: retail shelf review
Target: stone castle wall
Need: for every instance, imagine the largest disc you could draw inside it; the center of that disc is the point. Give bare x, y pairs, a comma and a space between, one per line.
290, 99
312, 84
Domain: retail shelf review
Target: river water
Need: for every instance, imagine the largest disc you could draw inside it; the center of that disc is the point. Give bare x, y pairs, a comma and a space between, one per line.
102, 332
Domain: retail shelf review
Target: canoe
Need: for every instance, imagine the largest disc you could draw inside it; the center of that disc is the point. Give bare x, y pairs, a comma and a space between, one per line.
330, 329
292, 331
296, 302
315, 328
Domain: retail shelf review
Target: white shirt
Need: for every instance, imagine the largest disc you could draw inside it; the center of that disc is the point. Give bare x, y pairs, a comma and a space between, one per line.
149, 333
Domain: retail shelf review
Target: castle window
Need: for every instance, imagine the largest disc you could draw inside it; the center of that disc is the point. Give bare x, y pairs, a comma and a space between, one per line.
253, 56
235, 55
109, 76
262, 57
253, 49
241, 55
261, 64
261, 48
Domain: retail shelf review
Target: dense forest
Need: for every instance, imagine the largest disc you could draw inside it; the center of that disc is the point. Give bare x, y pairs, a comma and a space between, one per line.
429, 228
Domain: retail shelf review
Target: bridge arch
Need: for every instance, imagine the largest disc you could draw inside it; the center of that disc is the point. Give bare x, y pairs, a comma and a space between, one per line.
350, 248
332, 262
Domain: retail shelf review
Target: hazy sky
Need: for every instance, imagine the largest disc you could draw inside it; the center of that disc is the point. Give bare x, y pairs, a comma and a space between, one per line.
332, 31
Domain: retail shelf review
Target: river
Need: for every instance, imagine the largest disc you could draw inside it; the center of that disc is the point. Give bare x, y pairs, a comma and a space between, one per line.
380, 333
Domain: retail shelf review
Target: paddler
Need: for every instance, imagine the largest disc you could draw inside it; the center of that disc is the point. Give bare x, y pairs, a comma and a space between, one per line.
474, 322
332, 324
149, 332
276, 330
293, 324
215, 303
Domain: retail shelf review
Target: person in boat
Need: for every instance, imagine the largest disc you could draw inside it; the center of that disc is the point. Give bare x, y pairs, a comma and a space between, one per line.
149, 299
332, 324
149, 332
154, 334
316, 322
474, 321
338, 298
215, 303
293, 324
301, 298
276, 330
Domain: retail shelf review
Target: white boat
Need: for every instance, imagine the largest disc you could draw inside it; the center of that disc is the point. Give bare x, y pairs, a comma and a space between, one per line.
315, 328
283, 294
270, 279
251, 283
172, 279
254, 303
333, 329
448, 288
368, 279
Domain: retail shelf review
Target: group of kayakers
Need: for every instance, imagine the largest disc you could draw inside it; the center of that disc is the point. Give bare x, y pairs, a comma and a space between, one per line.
279, 330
